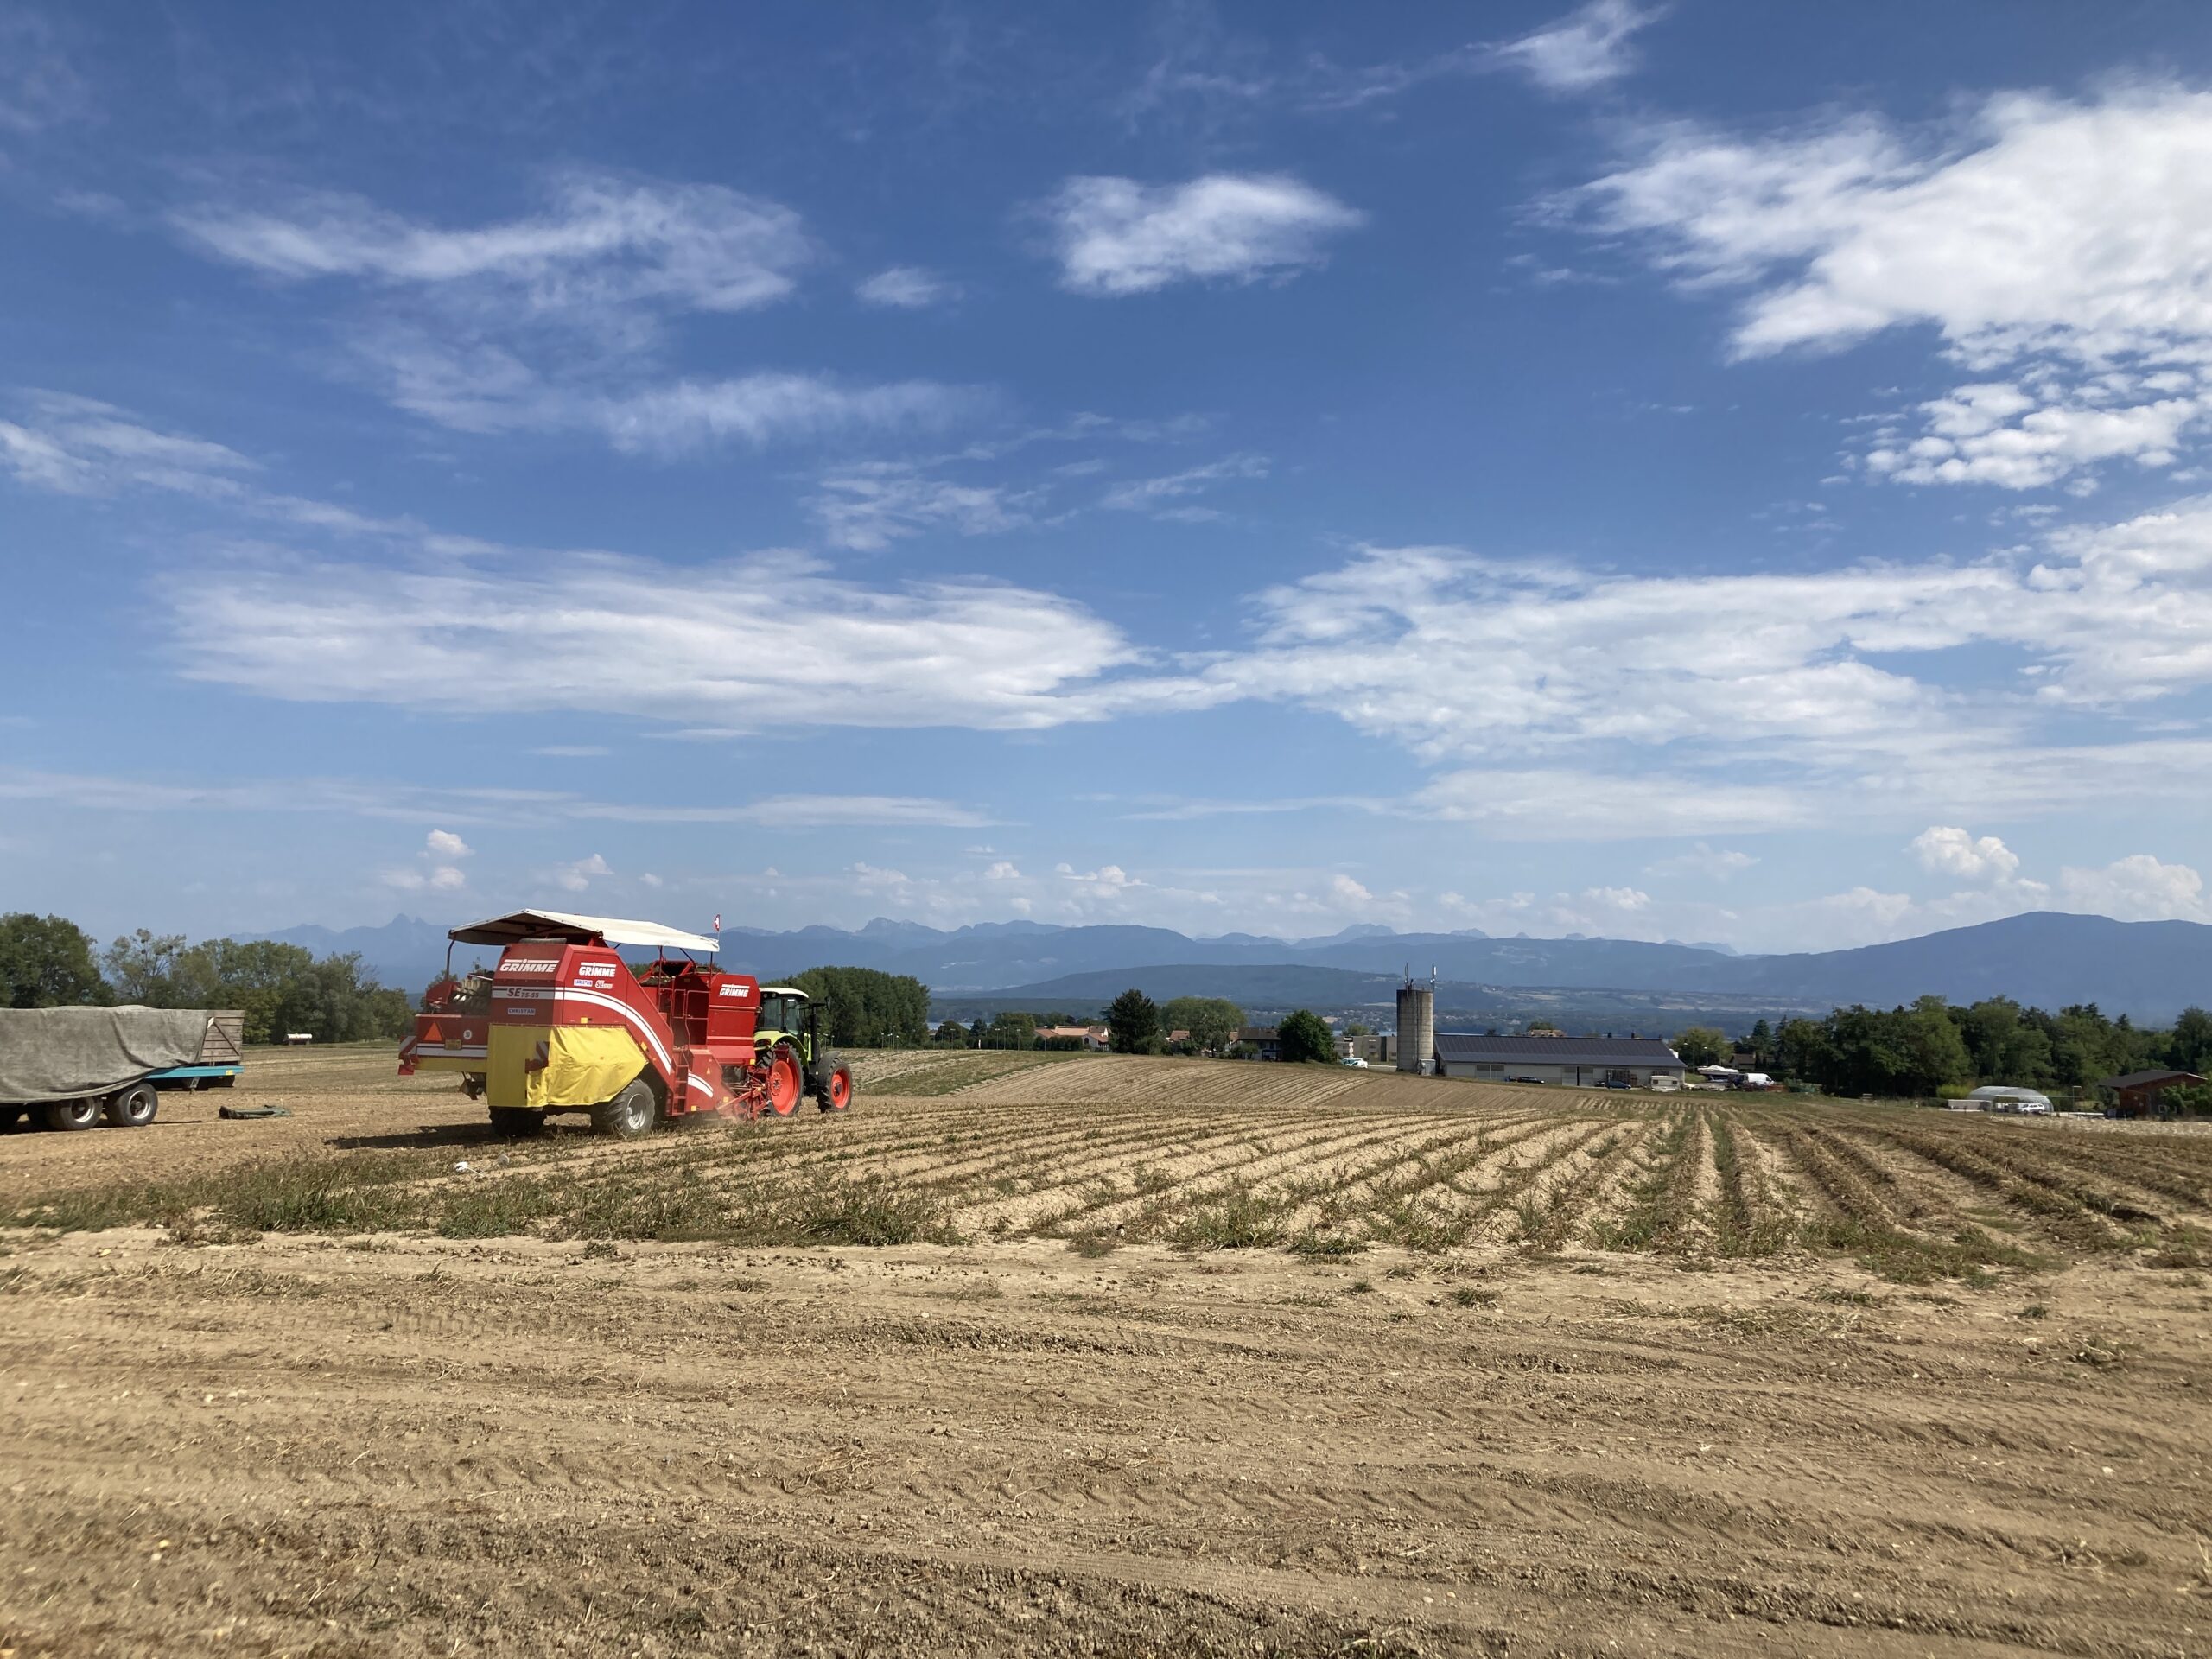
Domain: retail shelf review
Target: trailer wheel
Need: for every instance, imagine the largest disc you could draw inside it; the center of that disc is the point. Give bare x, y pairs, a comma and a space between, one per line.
70, 1114
133, 1108
517, 1122
835, 1092
628, 1115
786, 1083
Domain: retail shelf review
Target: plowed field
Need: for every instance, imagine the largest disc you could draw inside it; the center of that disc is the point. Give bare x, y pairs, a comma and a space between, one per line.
1106, 1354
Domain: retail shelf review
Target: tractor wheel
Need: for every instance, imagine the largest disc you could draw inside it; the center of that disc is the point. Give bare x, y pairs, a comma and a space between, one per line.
517, 1122
786, 1083
835, 1092
133, 1108
8, 1116
70, 1114
629, 1114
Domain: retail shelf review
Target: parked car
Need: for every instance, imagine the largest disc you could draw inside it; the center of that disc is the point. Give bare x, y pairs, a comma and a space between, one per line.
1353, 1059
1614, 1083
1524, 1079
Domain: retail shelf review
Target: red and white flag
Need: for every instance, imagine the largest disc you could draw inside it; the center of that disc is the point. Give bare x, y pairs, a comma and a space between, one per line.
718, 921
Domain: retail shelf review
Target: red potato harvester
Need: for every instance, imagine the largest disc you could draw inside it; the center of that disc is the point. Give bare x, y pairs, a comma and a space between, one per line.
563, 1024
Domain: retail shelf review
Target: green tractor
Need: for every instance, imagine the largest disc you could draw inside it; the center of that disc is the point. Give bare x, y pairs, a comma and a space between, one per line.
789, 1018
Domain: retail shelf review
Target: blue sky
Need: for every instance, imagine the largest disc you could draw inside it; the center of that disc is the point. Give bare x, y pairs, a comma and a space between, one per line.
1713, 471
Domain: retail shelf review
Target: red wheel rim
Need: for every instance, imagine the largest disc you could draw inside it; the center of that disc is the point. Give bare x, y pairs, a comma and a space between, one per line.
841, 1091
784, 1085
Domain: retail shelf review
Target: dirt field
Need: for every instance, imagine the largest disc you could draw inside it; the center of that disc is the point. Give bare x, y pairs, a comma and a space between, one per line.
1105, 1356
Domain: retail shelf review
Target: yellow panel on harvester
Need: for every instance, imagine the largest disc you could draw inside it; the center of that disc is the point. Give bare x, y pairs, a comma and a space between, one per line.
584, 1065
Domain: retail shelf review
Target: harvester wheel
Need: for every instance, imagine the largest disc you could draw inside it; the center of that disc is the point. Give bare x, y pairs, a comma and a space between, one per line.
629, 1114
133, 1108
517, 1122
835, 1092
70, 1114
785, 1081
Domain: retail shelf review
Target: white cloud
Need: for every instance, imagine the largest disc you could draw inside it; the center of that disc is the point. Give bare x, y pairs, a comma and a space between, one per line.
2069, 241
602, 240
1585, 49
1345, 891
438, 878
1948, 851
40, 86
868, 506
758, 408
77, 446
1117, 237
1716, 863
443, 844
1158, 495
907, 288
578, 876
542, 631
1618, 898
2137, 888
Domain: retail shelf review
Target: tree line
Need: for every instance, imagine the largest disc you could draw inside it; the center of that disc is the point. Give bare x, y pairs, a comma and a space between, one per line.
48, 962
1933, 1044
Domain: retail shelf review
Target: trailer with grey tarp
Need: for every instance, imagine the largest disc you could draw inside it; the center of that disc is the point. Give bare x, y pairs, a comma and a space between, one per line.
70, 1067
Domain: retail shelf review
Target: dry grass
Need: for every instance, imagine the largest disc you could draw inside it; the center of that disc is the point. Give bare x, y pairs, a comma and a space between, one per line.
947, 1146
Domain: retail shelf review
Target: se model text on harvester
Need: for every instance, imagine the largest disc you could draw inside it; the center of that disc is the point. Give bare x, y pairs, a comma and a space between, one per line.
562, 1023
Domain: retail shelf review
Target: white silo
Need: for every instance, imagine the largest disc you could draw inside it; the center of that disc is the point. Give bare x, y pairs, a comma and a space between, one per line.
1417, 1025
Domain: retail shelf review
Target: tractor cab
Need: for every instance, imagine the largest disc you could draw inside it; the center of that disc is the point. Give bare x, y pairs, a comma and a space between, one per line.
788, 1015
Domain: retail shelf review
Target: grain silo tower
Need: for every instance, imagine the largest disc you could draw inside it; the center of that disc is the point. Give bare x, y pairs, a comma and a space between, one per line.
1417, 1025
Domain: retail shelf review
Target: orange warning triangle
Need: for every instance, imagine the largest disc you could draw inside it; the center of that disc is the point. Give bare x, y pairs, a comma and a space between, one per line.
432, 1034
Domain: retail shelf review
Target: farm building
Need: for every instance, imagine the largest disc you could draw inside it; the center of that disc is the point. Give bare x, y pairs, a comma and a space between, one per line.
1264, 1042
1579, 1062
2142, 1094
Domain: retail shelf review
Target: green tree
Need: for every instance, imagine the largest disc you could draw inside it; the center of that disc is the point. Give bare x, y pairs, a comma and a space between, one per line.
2188, 1044
1305, 1036
1762, 1042
1700, 1046
1133, 1024
1011, 1029
1212, 1021
45, 962
953, 1035
140, 966
864, 1007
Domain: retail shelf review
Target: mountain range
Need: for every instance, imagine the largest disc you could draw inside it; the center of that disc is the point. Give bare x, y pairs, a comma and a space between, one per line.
2148, 969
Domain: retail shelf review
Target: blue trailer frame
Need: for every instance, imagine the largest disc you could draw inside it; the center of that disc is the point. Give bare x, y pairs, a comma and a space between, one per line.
195, 1076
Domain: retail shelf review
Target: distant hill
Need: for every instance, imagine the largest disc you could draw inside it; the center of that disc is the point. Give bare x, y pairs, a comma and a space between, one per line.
2149, 970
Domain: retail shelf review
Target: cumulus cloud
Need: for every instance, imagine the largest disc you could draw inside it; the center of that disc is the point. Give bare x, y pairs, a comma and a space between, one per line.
1583, 49
2066, 241
1956, 853
1117, 237
578, 877
907, 288
2137, 888
443, 844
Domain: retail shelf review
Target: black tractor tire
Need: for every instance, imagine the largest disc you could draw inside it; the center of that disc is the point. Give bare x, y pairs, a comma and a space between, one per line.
833, 1087
517, 1122
133, 1108
631, 1114
8, 1117
70, 1114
